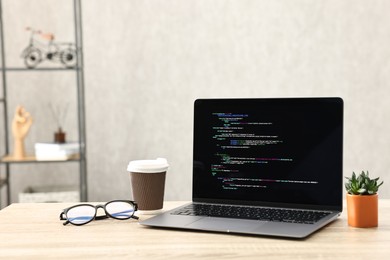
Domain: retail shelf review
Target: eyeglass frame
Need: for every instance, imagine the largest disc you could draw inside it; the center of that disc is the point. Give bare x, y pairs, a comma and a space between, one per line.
103, 206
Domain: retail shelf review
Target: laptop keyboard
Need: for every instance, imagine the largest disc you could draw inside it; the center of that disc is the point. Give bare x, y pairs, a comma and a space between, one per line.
256, 213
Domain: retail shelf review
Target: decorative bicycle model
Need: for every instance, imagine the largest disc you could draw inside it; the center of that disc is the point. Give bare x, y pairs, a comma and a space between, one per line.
38, 51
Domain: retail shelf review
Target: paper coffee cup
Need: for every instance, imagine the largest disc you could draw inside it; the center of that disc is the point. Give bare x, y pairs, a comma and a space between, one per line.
147, 178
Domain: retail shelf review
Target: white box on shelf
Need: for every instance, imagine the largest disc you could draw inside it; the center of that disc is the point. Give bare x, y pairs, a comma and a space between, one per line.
54, 151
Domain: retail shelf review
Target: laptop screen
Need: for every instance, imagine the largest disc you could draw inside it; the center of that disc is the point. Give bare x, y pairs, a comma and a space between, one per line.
268, 151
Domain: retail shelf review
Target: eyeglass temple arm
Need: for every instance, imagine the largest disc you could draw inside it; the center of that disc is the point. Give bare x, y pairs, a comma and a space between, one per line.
63, 218
135, 209
67, 221
104, 217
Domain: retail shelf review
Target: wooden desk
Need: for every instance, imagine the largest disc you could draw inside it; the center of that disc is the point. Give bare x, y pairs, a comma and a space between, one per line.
35, 231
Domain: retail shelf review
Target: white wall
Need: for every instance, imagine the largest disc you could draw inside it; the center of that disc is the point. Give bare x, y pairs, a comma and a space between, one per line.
147, 61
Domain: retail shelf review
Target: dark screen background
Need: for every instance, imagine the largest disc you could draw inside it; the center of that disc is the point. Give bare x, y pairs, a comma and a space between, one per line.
269, 150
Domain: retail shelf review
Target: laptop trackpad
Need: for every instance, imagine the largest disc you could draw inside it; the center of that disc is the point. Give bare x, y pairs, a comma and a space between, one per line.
225, 224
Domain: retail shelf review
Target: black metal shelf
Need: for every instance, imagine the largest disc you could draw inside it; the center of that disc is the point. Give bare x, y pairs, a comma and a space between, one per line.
32, 159
42, 162
39, 69
3, 182
78, 70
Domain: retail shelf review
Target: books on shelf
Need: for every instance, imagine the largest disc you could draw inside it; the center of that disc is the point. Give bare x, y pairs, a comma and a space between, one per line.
56, 151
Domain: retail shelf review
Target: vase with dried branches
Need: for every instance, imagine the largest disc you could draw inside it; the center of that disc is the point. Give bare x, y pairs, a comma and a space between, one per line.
59, 114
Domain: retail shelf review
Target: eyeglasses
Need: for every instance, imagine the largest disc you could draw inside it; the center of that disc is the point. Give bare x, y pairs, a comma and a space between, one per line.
84, 213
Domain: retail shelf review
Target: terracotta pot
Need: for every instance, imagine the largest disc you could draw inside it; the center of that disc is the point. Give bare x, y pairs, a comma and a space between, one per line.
362, 210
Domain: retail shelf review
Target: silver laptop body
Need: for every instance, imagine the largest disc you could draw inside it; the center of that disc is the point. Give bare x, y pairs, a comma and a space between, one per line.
274, 155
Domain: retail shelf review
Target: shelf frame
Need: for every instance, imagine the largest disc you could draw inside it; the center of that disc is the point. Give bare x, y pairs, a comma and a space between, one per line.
81, 102
5, 180
78, 70
33, 159
40, 69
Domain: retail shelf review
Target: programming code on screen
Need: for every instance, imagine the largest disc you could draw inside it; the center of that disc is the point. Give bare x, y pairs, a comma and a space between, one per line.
243, 144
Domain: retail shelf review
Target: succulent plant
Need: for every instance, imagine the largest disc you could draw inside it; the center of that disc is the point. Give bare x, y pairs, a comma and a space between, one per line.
362, 184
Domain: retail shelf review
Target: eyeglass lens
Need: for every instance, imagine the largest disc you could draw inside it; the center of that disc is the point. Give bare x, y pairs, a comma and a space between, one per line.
120, 209
81, 214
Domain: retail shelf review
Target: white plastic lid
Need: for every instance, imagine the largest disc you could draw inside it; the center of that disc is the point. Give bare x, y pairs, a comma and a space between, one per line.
148, 166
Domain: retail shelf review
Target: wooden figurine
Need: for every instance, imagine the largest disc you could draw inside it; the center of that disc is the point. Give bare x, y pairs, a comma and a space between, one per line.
21, 124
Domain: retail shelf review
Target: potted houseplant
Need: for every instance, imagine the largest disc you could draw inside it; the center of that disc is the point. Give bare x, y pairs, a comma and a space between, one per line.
362, 200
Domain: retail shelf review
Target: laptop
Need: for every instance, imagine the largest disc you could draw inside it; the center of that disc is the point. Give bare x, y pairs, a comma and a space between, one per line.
263, 167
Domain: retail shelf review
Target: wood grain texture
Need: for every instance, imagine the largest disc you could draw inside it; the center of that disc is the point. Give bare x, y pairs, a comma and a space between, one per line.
35, 231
